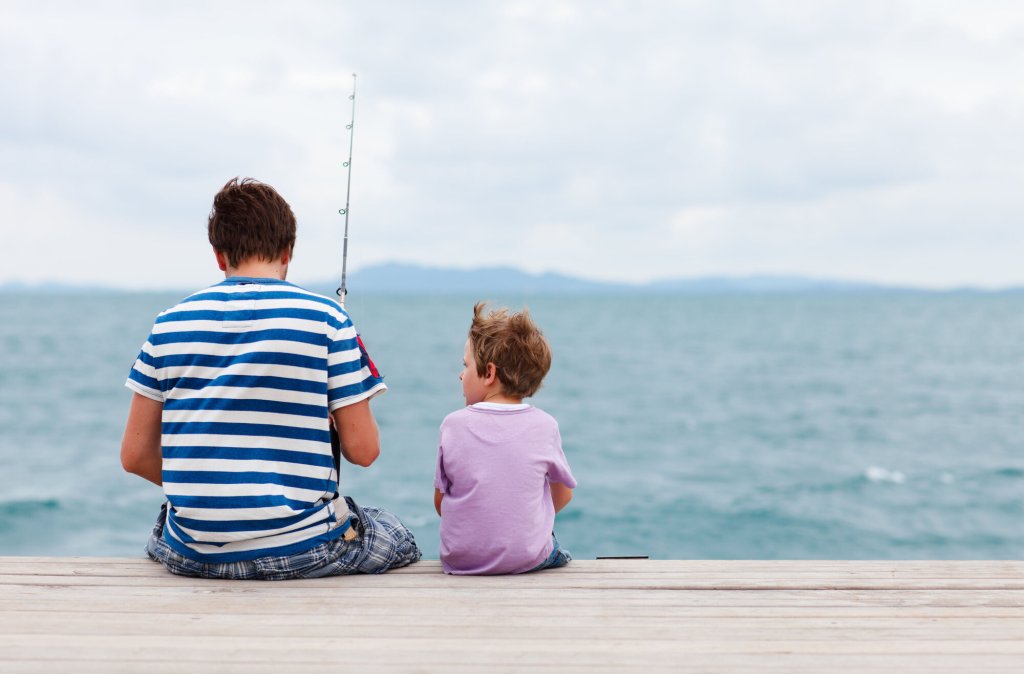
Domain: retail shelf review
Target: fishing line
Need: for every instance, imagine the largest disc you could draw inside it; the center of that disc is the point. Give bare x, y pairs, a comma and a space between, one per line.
342, 290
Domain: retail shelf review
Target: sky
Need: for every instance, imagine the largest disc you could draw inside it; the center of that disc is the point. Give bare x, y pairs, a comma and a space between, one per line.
623, 141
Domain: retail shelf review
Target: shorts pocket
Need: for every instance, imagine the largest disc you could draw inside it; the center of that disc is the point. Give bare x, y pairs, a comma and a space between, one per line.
294, 566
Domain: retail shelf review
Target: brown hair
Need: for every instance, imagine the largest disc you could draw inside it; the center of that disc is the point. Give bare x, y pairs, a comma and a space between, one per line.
249, 220
515, 345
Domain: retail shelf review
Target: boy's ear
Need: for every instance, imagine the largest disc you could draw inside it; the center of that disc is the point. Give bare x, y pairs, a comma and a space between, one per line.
491, 375
222, 259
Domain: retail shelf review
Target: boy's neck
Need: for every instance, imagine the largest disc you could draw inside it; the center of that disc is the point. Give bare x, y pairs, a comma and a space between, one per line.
258, 269
502, 398
254, 267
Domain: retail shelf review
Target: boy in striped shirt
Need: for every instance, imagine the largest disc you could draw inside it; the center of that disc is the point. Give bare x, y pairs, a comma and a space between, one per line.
235, 393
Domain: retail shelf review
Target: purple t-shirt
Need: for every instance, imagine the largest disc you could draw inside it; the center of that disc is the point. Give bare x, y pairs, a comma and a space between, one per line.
494, 467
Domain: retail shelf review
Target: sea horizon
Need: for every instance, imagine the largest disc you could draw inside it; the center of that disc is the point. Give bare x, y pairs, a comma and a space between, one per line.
407, 278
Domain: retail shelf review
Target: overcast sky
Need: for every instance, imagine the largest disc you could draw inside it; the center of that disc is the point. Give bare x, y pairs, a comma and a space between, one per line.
867, 140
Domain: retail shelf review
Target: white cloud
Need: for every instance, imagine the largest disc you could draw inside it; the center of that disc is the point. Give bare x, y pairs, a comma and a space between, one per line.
875, 140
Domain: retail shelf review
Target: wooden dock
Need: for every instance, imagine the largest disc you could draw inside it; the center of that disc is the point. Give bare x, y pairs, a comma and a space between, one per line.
109, 615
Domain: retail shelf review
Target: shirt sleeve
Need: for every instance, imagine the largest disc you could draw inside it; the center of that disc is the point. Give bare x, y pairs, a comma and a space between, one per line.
558, 468
144, 377
351, 375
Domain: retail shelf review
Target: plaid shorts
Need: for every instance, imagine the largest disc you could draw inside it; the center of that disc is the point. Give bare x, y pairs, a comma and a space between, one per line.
383, 543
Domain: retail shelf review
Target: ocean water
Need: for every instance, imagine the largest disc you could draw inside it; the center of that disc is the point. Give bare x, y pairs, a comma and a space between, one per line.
883, 426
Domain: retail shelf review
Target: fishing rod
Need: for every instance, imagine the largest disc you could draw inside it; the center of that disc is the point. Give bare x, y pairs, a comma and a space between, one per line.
342, 290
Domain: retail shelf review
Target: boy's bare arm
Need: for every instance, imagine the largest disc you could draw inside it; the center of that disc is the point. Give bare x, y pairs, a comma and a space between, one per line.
560, 495
140, 447
438, 497
357, 430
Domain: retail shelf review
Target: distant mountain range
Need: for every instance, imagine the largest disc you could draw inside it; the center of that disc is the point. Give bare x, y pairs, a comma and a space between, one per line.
414, 279
398, 278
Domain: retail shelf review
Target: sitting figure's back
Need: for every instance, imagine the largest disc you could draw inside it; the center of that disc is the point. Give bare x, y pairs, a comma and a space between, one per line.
236, 391
501, 473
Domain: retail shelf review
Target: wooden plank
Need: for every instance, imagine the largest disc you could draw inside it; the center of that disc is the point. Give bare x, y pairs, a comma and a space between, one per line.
530, 627
370, 612
178, 600
554, 580
1010, 570
998, 568
357, 586
723, 662
538, 652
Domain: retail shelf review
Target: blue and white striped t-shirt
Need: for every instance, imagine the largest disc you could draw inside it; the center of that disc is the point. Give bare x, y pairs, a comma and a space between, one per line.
247, 371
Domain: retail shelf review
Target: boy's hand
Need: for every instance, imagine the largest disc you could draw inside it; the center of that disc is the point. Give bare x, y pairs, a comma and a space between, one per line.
438, 497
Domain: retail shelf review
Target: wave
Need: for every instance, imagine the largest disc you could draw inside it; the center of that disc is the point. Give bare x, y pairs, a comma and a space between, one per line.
22, 507
880, 474
849, 484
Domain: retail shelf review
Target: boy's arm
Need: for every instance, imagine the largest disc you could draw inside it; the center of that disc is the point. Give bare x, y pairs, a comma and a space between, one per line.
140, 447
438, 497
560, 495
357, 431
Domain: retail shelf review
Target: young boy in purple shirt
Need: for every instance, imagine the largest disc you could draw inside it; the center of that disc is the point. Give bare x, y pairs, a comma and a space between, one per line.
501, 474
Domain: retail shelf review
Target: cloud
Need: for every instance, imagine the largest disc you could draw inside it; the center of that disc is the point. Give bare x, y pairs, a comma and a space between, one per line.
873, 140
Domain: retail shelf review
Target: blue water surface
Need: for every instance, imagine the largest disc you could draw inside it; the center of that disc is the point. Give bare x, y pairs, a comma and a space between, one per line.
844, 426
